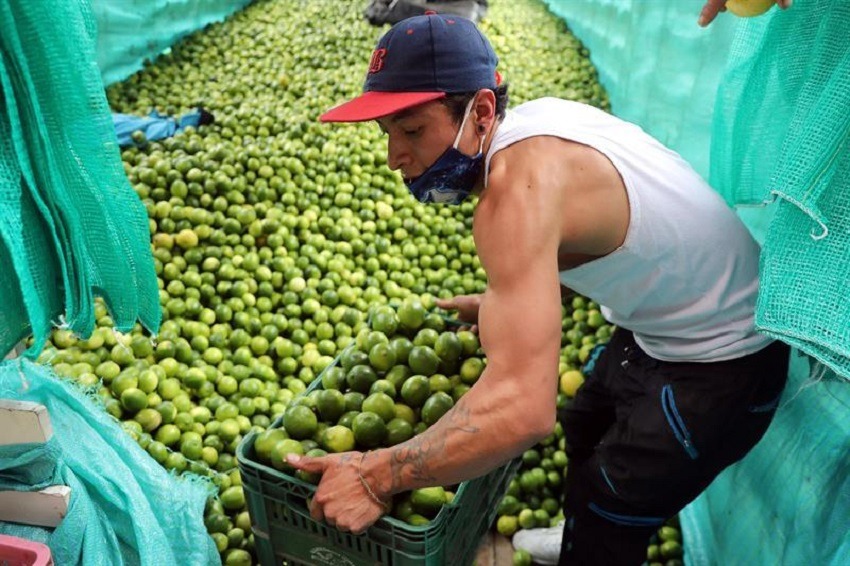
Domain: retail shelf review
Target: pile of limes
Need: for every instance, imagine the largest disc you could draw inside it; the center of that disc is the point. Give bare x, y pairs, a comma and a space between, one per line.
665, 546
274, 235
399, 376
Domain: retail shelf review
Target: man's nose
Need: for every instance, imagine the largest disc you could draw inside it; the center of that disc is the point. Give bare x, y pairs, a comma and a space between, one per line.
397, 155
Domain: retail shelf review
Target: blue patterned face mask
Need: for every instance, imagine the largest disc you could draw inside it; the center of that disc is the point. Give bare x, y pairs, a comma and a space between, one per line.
452, 177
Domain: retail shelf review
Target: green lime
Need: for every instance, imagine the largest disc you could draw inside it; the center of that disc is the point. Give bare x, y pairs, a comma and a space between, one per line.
404, 412
469, 342
666, 533
415, 390
403, 509
526, 519
381, 404
333, 378
331, 405
353, 357
367, 340
509, 505
383, 386
671, 549
559, 459
440, 382
541, 517
448, 347
401, 346
411, 315
470, 370
353, 400
134, 399
168, 434
347, 418
338, 439
435, 322
521, 557
360, 378
435, 407
123, 382
300, 422
148, 381
398, 430
385, 320
428, 501
423, 361
459, 391
283, 449
418, 520
507, 525
168, 411
426, 337
382, 357
397, 375
551, 506
531, 458
653, 553
150, 419
266, 441
369, 429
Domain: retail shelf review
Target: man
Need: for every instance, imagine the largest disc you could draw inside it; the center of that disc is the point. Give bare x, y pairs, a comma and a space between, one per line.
572, 195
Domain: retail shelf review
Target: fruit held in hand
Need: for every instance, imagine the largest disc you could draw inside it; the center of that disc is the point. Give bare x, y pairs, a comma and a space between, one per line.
749, 8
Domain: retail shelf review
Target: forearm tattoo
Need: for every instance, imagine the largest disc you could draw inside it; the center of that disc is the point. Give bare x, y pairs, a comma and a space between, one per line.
414, 457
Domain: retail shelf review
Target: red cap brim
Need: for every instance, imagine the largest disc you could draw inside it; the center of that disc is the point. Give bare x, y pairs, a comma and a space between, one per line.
372, 105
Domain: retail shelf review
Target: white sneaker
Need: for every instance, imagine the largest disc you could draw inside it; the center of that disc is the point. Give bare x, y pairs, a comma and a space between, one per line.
544, 545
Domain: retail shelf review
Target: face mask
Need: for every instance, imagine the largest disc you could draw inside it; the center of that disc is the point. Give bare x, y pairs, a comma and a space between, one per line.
452, 177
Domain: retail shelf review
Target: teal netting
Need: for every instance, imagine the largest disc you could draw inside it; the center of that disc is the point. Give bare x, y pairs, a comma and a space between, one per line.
131, 31
660, 69
125, 509
788, 501
63, 146
782, 129
27, 254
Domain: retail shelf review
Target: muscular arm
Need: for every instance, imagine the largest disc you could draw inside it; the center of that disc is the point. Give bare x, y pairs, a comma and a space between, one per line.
512, 405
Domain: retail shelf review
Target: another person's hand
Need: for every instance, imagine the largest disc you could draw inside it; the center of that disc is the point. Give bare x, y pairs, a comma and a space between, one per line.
466, 307
343, 498
713, 7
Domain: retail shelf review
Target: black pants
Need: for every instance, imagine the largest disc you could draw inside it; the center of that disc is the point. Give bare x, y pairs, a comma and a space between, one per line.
646, 437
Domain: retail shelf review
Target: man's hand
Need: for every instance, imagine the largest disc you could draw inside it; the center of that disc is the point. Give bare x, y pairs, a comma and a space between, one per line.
342, 499
713, 7
466, 307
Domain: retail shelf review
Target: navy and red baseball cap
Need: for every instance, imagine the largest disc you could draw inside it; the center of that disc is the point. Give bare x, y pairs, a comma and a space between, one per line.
421, 59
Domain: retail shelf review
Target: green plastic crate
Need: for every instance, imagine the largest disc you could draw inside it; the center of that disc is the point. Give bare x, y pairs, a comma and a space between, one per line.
285, 532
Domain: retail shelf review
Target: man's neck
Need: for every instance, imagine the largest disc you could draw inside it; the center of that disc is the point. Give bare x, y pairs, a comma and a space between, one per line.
488, 140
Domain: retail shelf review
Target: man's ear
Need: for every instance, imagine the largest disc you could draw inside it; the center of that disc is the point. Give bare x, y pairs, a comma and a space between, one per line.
484, 106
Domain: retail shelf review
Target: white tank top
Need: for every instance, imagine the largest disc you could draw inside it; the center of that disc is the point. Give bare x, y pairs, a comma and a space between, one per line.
686, 277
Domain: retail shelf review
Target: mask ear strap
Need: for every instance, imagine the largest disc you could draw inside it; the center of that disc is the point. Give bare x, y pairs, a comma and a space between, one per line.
463, 123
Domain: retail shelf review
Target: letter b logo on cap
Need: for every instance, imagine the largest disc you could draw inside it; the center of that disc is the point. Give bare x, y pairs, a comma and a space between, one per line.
377, 61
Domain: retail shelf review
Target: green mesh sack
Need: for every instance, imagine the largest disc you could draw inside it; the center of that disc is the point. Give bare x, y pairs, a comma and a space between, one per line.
28, 257
659, 68
65, 146
125, 508
782, 130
